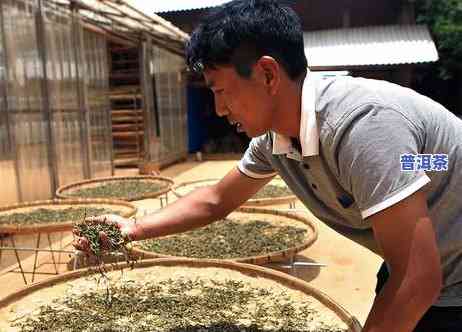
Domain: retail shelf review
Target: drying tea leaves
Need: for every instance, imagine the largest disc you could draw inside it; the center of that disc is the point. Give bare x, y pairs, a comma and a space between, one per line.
268, 191
273, 191
116, 241
91, 231
126, 189
227, 239
180, 305
44, 215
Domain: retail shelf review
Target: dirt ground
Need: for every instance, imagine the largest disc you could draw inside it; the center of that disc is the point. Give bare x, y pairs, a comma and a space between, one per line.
348, 278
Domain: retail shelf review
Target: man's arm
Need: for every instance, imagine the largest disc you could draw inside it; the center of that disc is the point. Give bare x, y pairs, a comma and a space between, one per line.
201, 207
405, 233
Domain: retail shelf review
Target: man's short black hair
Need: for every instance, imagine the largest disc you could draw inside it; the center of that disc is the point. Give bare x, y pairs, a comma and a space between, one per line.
239, 32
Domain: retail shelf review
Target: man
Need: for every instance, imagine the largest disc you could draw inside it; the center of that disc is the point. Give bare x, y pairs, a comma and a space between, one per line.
356, 152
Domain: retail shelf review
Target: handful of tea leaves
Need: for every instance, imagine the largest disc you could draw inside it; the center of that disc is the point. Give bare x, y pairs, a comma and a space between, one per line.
91, 231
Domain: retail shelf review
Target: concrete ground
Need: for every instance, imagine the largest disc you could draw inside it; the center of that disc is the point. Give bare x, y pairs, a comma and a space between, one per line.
348, 278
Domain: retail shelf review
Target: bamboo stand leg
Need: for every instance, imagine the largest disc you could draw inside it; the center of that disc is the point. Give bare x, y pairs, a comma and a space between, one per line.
1, 245
37, 246
60, 246
52, 254
163, 201
18, 259
78, 258
292, 267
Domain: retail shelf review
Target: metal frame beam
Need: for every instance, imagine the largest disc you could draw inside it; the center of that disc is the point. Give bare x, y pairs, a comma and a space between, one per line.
11, 138
82, 92
48, 115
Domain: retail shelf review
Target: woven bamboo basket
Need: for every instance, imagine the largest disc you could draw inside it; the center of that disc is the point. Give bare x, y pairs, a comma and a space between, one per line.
126, 209
44, 292
66, 191
184, 188
277, 256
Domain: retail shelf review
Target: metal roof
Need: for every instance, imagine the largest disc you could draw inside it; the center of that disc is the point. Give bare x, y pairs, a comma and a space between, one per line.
366, 46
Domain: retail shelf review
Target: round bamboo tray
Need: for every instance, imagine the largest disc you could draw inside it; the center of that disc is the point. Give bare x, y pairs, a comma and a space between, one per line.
66, 190
184, 188
271, 257
42, 293
126, 210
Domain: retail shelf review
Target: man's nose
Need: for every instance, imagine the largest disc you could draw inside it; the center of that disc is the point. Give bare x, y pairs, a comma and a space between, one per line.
221, 111
220, 108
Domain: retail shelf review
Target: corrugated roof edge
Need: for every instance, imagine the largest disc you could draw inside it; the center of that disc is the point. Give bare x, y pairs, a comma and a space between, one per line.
377, 44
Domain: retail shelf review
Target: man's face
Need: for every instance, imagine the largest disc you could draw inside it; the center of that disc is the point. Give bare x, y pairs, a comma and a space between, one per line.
246, 102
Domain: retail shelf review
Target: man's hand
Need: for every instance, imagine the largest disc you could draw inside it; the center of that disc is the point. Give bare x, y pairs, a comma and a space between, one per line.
197, 209
405, 233
128, 228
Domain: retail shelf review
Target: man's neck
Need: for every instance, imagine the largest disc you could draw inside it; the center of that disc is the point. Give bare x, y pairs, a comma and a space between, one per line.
288, 111
296, 144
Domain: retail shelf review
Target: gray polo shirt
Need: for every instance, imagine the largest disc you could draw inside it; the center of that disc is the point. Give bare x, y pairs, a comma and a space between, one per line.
366, 145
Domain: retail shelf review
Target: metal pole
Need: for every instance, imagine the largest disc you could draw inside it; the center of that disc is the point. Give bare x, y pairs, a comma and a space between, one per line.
157, 138
146, 93
107, 71
102, 64
17, 258
82, 93
48, 115
293, 264
36, 256
52, 253
11, 138
171, 94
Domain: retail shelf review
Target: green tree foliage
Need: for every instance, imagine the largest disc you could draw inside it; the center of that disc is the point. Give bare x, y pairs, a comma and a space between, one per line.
444, 18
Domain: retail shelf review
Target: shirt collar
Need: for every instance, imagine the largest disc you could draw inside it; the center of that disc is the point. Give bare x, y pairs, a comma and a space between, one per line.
309, 136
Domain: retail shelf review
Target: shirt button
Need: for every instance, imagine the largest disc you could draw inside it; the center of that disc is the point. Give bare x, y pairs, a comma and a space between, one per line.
345, 201
314, 186
306, 166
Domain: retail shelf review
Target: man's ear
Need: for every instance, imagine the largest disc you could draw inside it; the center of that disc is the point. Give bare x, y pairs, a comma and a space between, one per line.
270, 73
